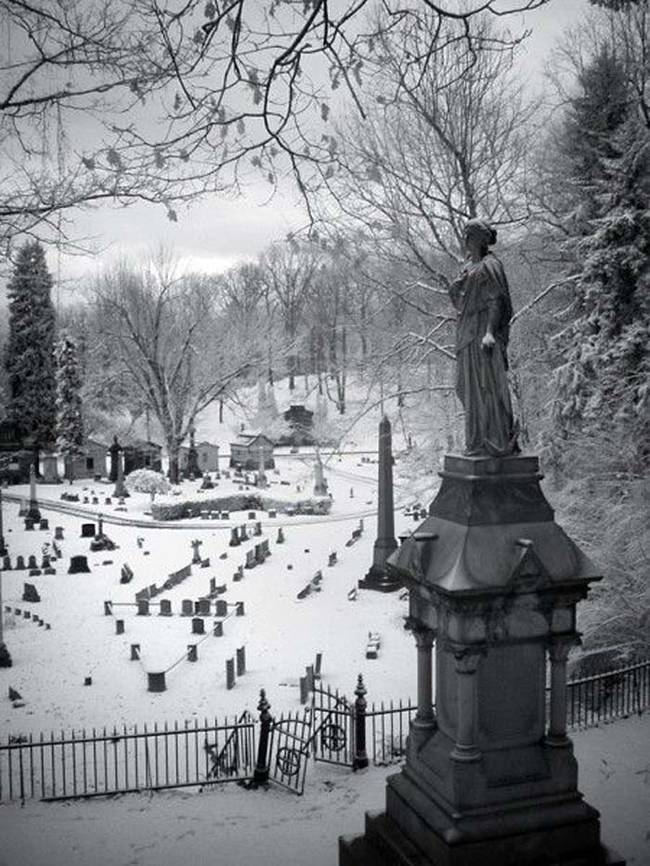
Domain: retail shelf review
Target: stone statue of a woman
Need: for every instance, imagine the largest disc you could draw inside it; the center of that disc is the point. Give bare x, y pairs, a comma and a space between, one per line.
481, 297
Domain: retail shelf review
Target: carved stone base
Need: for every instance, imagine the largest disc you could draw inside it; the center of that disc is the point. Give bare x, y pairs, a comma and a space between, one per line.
379, 580
384, 844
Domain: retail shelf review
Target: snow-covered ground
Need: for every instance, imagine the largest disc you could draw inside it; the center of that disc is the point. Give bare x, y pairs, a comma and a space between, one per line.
228, 826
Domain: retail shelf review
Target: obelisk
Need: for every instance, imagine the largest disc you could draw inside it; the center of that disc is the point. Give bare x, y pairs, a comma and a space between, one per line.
33, 511
385, 544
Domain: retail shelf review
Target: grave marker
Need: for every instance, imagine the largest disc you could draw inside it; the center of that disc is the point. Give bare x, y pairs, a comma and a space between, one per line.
126, 573
165, 607
143, 607
29, 524
20, 563
108, 608
250, 559
187, 607
280, 538
217, 628
198, 625
6, 563
88, 530
44, 523
240, 654
239, 608
119, 626
156, 681
78, 565
30, 593
202, 607
221, 607
58, 533
196, 556
230, 673
234, 538
135, 652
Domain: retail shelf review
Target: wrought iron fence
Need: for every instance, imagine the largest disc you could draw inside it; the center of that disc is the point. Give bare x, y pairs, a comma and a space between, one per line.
609, 695
87, 764
334, 729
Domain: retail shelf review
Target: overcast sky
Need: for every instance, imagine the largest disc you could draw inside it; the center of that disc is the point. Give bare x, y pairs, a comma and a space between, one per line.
217, 232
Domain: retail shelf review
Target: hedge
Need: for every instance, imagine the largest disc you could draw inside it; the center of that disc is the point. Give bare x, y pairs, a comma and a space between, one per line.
176, 510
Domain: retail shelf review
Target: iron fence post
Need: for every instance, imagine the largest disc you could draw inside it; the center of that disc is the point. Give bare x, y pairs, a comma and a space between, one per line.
360, 756
261, 774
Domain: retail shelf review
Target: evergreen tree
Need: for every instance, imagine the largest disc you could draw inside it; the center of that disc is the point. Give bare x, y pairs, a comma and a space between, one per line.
70, 431
603, 382
29, 359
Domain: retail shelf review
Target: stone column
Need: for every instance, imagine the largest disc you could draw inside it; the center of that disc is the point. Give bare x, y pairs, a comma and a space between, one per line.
3, 548
424, 723
466, 666
558, 652
33, 510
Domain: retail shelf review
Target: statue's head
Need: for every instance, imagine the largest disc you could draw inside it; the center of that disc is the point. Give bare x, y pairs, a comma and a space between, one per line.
479, 235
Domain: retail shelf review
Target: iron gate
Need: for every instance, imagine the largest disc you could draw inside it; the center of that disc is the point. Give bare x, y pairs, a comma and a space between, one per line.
333, 728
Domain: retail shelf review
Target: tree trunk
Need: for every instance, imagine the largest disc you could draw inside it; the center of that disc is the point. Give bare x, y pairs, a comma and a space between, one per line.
173, 464
221, 411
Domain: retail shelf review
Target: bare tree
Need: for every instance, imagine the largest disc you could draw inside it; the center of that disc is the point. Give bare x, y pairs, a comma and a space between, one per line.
179, 97
169, 343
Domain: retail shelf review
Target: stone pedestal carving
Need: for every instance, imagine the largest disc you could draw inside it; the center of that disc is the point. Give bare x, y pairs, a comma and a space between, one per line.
491, 779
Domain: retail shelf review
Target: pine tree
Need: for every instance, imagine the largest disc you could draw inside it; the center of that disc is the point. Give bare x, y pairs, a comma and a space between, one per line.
69, 417
29, 359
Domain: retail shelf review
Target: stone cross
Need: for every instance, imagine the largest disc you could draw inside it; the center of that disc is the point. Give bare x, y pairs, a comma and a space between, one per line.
196, 556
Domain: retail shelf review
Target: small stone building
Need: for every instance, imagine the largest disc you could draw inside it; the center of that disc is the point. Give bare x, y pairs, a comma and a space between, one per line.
207, 456
245, 451
301, 424
15, 458
140, 454
90, 462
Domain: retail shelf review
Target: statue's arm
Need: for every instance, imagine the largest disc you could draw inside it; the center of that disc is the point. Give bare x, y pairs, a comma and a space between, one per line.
455, 289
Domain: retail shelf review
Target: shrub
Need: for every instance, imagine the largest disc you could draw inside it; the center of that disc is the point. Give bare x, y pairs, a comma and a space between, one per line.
147, 481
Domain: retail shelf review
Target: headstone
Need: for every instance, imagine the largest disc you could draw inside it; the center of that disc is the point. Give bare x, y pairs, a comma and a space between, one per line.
108, 608
198, 625
225, 515
6, 563
165, 607
258, 528
143, 607
88, 530
20, 563
192, 650
94, 500
44, 523
243, 535
332, 558
237, 576
58, 533
205, 563
234, 537
251, 515
135, 652
230, 673
78, 565
280, 538
45, 562
31, 561
203, 607
187, 607
304, 690
50, 469
240, 655
29, 524
239, 608
196, 556
156, 682
217, 628
250, 559
57, 550
213, 586
30, 593
272, 513
221, 607
126, 573
88, 681
119, 626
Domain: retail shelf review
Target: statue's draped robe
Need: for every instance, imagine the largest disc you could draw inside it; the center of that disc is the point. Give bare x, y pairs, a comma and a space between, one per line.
480, 295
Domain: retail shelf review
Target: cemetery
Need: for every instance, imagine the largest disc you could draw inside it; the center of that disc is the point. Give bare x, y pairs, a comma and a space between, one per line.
324, 423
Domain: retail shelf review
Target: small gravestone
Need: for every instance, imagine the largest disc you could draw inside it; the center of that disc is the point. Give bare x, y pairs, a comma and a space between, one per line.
239, 608
196, 556
259, 554
225, 515
202, 607
198, 625
156, 682
187, 607
108, 501
213, 585
94, 500
258, 528
78, 565
165, 607
221, 607
143, 607
250, 559
230, 673
243, 535
280, 538
217, 628
108, 608
272, 513
31, 561
119, 626
29, 524
58, 533
332, 560
223, 555
45, 561
44, 523
88, 530
27, 614
126, 574
205, 563
237, 576
57, 550
251, 515
240, 656
135, 652
20, 563
6, 563
30, 593
192, 651
234, 537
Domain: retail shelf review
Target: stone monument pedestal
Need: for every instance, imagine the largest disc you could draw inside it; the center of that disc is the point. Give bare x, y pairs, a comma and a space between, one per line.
490, 778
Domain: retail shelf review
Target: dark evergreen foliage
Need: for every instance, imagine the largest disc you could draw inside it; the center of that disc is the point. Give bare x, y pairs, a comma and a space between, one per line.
29, 358
70, 431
